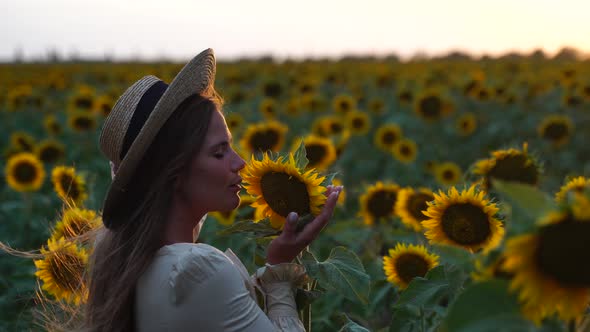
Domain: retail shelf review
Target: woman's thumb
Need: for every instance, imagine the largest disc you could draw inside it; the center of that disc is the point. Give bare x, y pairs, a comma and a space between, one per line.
291, 222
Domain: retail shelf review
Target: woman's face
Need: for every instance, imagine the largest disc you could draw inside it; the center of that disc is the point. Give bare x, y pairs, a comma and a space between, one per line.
213, 181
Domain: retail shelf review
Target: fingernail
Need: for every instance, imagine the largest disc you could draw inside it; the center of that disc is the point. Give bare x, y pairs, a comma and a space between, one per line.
292, 216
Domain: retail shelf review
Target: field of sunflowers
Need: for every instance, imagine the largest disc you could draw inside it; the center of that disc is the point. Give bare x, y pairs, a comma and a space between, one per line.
466, 202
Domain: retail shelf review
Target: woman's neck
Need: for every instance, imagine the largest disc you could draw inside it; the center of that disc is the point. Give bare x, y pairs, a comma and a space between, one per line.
181, 224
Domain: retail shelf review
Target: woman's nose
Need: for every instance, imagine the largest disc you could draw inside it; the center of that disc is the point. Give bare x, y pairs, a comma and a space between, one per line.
239, 163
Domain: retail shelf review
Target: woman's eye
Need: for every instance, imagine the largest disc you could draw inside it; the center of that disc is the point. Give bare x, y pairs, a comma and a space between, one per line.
218, 155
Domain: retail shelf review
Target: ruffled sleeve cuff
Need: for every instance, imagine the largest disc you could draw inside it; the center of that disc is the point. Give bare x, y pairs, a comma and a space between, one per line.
277, 284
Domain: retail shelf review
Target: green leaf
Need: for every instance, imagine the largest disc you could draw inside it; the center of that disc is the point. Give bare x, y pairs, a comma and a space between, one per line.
328, 179
405, 319
427, 291
300, 156
486, 306
533, 201
258, 229
342, 272
349, 325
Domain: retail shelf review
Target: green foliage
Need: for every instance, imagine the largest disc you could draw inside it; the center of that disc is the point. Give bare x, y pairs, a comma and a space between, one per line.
486, 307
342, 272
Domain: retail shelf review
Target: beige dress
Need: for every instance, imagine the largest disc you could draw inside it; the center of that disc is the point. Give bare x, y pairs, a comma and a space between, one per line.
196, 287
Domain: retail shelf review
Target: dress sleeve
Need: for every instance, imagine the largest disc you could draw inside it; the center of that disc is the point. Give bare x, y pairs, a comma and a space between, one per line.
278, 283
209, 294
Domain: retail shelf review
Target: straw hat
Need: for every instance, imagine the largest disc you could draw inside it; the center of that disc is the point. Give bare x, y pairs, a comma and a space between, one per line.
139, 114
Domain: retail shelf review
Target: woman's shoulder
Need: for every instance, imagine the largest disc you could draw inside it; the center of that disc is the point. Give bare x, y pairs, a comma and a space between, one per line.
192, 260
183, 266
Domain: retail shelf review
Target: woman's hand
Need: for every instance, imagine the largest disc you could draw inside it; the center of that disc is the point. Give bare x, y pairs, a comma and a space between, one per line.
290, 243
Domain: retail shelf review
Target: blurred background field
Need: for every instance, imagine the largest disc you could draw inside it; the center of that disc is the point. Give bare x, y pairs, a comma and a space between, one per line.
420, 123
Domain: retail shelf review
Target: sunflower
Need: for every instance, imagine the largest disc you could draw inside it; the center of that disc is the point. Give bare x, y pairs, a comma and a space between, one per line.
62, 270
51, 125
358, 122
227, 218
328, 126
68, 185
494, 269
556, 129
405, 150
343, 104
378, 202
405, 96
431, 107
83, 100
74, 223
342, 195
81, 121
447, 173
22, 141
572, 99
103, 105
549, 273
272, 88
268, 108
320, 151
376, 106
234, 122
465, 219
578, 184
387, 135
313, 102
264, 136
406, 262
280, 187
293, 107
466, 124
508, 165
410, 205
24, 172
50, 151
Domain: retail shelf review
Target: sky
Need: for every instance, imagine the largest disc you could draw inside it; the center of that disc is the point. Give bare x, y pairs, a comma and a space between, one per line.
179, 29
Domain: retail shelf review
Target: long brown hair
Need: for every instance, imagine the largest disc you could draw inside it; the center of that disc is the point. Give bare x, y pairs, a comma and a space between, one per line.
120, 256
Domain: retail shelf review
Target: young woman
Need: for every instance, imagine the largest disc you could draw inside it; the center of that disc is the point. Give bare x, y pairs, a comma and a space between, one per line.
172, 160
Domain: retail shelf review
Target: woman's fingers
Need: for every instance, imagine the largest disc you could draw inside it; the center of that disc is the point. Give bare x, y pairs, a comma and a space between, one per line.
311, 230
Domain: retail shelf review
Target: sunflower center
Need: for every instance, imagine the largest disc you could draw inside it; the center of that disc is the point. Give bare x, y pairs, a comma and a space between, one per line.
405, 150
555, 131
563, 253
466, 224
335, 127
315, 154
83, 103
84, 123
285, 193
417, 204
25, 173
409, 266
406, 96
358, 123
66, 270
448, 175
389, 138
76, 227
69, 186
518, 168
381, 203
50, 154
344, 106
264, 140
431, 107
